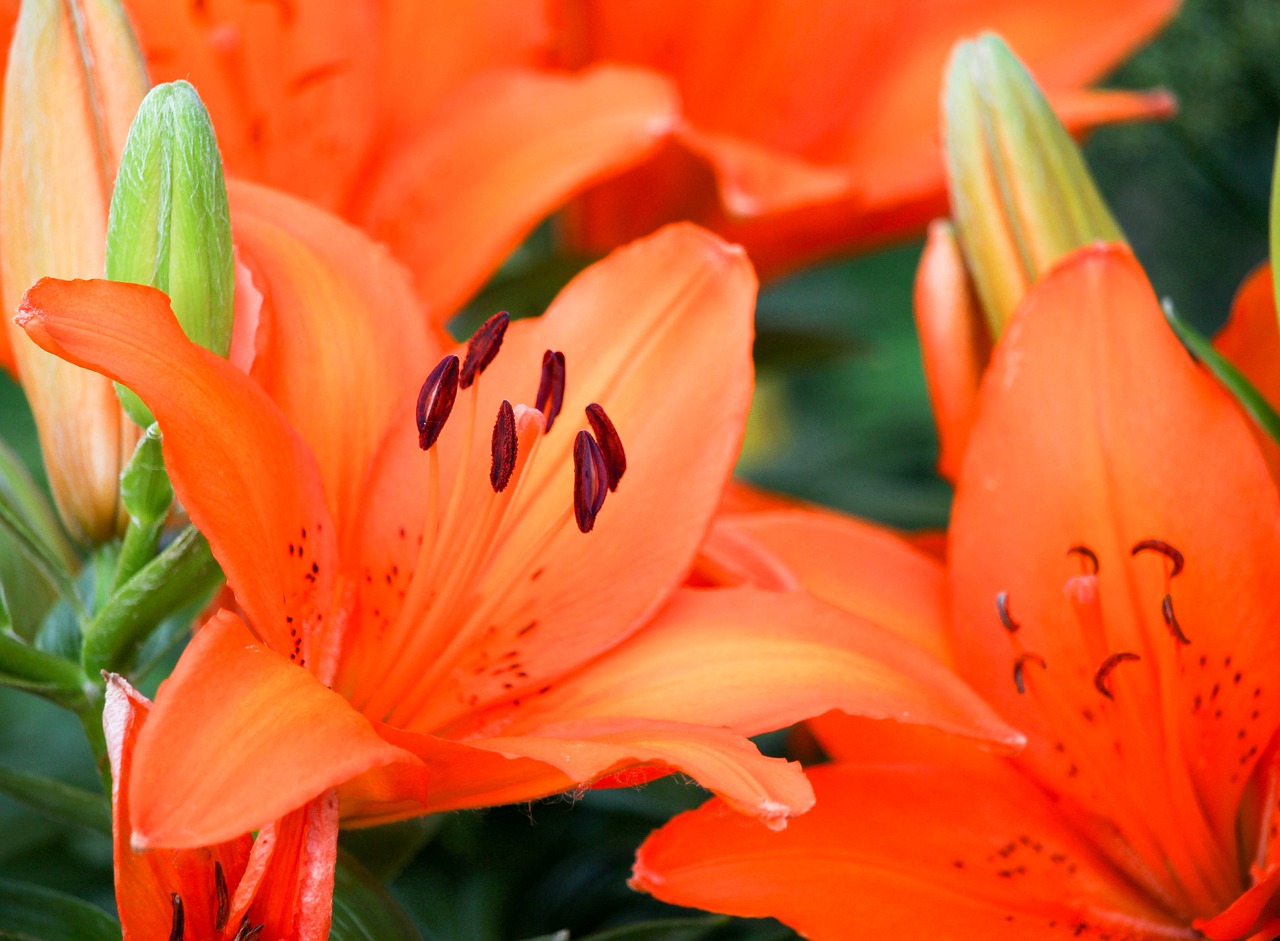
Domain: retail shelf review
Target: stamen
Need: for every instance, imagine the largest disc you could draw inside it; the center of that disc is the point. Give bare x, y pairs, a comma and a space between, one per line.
615, 459
590, 479
1002, 609
435, 401
504, 447
1104, 671
179, 918
1021, 662
1088, 554
483, 347
224, 899
551, 386
1171, 621
1166, 550
248, 932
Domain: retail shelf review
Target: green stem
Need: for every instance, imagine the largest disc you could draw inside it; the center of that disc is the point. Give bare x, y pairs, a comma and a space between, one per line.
91, 719
179, 575
139, 548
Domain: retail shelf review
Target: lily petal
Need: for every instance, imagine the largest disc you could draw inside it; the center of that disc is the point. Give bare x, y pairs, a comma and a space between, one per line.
288, 85
1120, 409
505, 769
791, 657
1251, 341
243, 474
339, 313
970, 838
239, 737
954, 342
144, 881
864, 569
498, 156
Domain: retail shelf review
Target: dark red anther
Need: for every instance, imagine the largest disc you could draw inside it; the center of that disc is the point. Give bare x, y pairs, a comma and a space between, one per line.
1104, 671
247, 931
615, 459
1020, 663
179, 924
435, 401
1088, 555
1171, 620
1162, 547
590, 480
551, 386
222, 896
504, 447
1002, 609
483, 347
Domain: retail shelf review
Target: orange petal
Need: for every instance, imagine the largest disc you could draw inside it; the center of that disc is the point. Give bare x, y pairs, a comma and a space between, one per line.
659, 334
289, 85
1089, 415
953, 340
867, 570
966, 849
288, 883
1251, 340
242, 473
754, 180
506, 769
238, 737
434, 46
145, 881
754, 661
496, 158
339, 313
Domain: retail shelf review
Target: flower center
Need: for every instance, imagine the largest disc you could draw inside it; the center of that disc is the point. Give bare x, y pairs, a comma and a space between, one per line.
1110, 696
482, 547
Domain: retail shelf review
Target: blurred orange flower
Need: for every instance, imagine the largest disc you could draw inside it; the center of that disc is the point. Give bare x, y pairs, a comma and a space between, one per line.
812, 130
1110, 590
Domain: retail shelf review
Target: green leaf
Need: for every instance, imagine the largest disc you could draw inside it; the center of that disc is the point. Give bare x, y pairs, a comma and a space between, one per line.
363, 909
557, 936
58, 800
668, 929
33, 913
386, 850
1230, 377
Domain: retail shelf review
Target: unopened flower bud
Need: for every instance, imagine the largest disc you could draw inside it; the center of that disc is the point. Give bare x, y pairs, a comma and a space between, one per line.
74, 80
170, 227
1021, 195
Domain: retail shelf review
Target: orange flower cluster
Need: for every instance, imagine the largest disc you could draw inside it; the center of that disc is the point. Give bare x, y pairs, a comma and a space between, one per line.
470, 574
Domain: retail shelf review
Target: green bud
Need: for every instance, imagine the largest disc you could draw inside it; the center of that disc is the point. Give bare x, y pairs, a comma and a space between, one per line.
144, 484
170, 225
1021, 195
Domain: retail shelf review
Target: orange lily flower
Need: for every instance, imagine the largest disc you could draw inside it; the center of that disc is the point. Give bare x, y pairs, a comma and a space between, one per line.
466, 640
239, 890
1111, 599
812, 131
430, 125
1251, 341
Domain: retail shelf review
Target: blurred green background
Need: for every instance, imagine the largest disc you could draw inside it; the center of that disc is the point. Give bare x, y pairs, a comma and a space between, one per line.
842, 418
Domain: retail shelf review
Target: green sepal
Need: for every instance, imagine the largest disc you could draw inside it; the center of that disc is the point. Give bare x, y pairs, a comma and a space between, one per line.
1232, 379
34, 913
363, 909
57, 800
183, 573
170, 223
